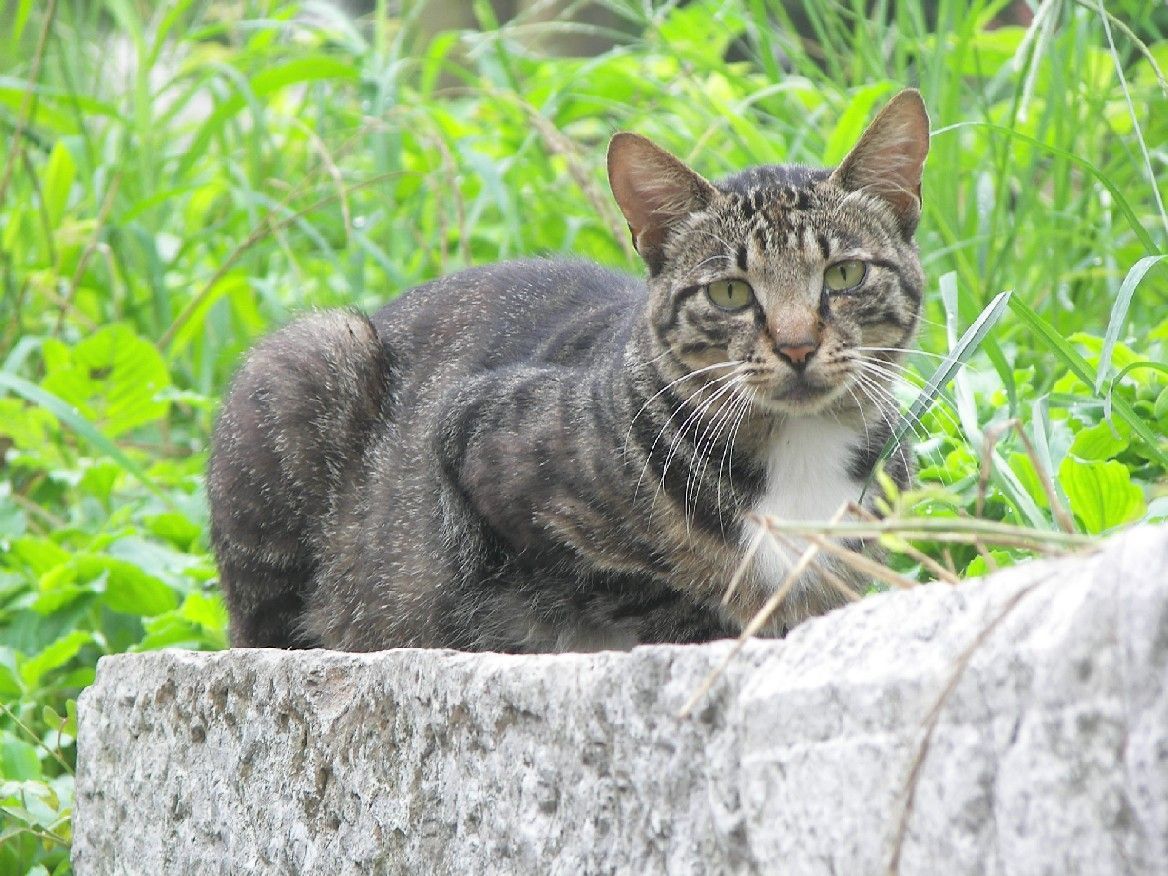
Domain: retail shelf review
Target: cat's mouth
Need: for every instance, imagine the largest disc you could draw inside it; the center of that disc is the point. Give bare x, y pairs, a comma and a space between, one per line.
800, 391
799, 395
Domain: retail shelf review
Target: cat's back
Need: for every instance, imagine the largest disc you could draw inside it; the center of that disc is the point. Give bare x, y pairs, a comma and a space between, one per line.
571, 314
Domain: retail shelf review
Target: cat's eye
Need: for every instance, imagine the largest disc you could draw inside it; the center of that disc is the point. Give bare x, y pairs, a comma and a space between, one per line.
844, 276
730, 294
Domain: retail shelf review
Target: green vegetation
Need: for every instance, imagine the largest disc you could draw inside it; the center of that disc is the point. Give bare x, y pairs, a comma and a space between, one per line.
176, 179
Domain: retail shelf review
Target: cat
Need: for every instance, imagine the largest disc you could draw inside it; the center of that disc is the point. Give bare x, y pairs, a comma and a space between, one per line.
544, 456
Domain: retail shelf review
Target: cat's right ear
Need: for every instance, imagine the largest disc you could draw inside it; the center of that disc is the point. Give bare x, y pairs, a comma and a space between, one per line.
889, 159
655, 191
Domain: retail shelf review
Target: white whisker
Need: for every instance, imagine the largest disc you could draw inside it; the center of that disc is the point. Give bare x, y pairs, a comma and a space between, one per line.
905, 350
675, 445
665, 426
706, 261
863, 419
733, 438
882, 370
706, 443
729, 246
870, 389
728, 363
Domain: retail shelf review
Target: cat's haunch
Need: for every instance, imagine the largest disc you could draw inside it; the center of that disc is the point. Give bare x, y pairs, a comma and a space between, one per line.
552, 456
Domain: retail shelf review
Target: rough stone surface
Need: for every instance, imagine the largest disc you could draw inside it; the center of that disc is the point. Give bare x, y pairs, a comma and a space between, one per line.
1049, 754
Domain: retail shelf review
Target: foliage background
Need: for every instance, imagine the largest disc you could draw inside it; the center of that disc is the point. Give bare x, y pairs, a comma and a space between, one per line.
179, 178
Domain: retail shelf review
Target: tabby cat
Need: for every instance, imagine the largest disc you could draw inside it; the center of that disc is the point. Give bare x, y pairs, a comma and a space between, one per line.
552, 456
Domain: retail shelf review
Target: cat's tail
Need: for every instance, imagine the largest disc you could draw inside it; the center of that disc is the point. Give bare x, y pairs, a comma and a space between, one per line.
292, 432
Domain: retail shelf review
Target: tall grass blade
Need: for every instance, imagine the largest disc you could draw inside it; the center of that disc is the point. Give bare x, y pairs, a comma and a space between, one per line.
1119, 314
1124, 204
965, 347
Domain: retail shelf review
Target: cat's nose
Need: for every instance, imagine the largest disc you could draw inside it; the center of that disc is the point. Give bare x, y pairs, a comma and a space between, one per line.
798, 354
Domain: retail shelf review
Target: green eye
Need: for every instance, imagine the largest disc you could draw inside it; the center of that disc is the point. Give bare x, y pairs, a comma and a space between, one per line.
730, 294
845, 275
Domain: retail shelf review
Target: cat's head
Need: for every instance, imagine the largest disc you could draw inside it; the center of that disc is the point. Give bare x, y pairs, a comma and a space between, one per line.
802, 275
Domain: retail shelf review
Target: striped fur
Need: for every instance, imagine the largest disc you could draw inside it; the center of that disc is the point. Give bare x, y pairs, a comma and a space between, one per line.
550, 456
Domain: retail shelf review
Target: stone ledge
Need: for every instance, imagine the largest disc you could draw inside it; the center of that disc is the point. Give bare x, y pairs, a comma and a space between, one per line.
1050, 754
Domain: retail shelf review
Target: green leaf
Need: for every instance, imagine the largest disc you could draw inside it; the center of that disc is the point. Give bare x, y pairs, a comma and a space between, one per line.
1160, 409
978, 567
71, 418
176, 528
1132, 368
43, 803
18, 760
171, 631
80, 678
54, 656
9, 679
1028, 476
205, 609
71, 718
99, 479
131, 590
28, 632
171, 566
116, 375
56, 182
298, 70
231, 285
13, 519
1101, 494
1100, 441
963, 396
51, 719
58, 591
309, 68
1075, 363
700, 31
39, 555
29, 428
121, 585
23, 8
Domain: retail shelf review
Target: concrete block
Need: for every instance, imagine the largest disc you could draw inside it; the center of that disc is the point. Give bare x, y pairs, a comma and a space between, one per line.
1048, 753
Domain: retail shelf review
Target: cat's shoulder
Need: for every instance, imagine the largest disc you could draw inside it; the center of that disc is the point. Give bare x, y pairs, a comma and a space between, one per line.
507, 310
519, 287
533, 277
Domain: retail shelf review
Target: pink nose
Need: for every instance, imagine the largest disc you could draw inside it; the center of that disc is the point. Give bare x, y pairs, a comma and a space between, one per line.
798, 354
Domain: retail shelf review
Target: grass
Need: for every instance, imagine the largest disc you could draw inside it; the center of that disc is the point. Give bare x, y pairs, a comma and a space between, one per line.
177, 179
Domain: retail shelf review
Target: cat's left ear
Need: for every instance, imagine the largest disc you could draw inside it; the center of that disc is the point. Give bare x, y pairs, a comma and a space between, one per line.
888, 160
655, 191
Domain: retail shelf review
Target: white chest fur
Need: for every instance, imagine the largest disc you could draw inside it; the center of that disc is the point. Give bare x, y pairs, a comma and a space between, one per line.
806, 479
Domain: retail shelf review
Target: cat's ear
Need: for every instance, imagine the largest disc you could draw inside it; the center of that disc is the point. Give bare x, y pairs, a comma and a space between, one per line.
888, 160
655, 191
